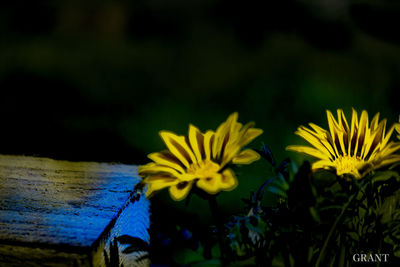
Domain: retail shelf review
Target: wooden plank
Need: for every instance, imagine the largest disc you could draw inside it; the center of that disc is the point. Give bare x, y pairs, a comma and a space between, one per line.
66, 209
133, 221
12, 255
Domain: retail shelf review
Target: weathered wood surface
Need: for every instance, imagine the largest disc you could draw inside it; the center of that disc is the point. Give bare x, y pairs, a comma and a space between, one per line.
68, 211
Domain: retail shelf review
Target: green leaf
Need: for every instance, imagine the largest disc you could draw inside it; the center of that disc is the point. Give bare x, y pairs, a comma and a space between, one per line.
280, 183
384, 176
314, 214
277, 191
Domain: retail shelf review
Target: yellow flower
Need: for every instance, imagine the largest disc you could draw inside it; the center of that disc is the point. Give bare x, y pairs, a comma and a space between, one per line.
200, 158
354, 150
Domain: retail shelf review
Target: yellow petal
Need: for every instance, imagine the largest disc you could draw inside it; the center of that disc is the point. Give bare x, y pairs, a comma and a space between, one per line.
333, 125
373, 139
320, 131
180, 191
247, 156
229, 154
178, 147
228, 181
374, 121
397, 127
389, 149
341, 137
315, 140
167, 159
389, 160
342, 120
211, 184
353, 133
335, 131
246, 127
223, 134
323, 164
196, 140
309, 151
208, 144
237, 126
362, 131
157, 183
219, 134
324, 137
232, 118
387, 135
250, 135
160, 179
237, 139
153, 168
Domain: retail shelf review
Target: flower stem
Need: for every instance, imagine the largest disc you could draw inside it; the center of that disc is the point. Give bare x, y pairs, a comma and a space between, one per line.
212, 201
333, 228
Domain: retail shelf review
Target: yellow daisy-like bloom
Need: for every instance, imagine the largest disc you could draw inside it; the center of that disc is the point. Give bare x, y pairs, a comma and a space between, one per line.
200, 158
354, 150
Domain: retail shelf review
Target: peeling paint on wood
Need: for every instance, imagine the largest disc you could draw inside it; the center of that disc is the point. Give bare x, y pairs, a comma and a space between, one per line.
60, 213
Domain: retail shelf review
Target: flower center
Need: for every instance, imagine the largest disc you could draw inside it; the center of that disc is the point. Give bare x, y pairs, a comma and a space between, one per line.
349, 165
203, 169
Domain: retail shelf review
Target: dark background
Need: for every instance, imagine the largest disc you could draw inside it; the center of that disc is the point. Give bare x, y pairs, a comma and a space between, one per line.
97, 80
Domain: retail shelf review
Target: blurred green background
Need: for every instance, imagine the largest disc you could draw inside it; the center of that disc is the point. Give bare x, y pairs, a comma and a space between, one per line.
97, 80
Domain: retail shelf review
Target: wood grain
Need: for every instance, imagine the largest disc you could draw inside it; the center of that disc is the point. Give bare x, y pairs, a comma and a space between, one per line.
64, 208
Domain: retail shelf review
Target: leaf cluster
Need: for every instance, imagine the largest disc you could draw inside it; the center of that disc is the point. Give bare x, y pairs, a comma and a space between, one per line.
319, 219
